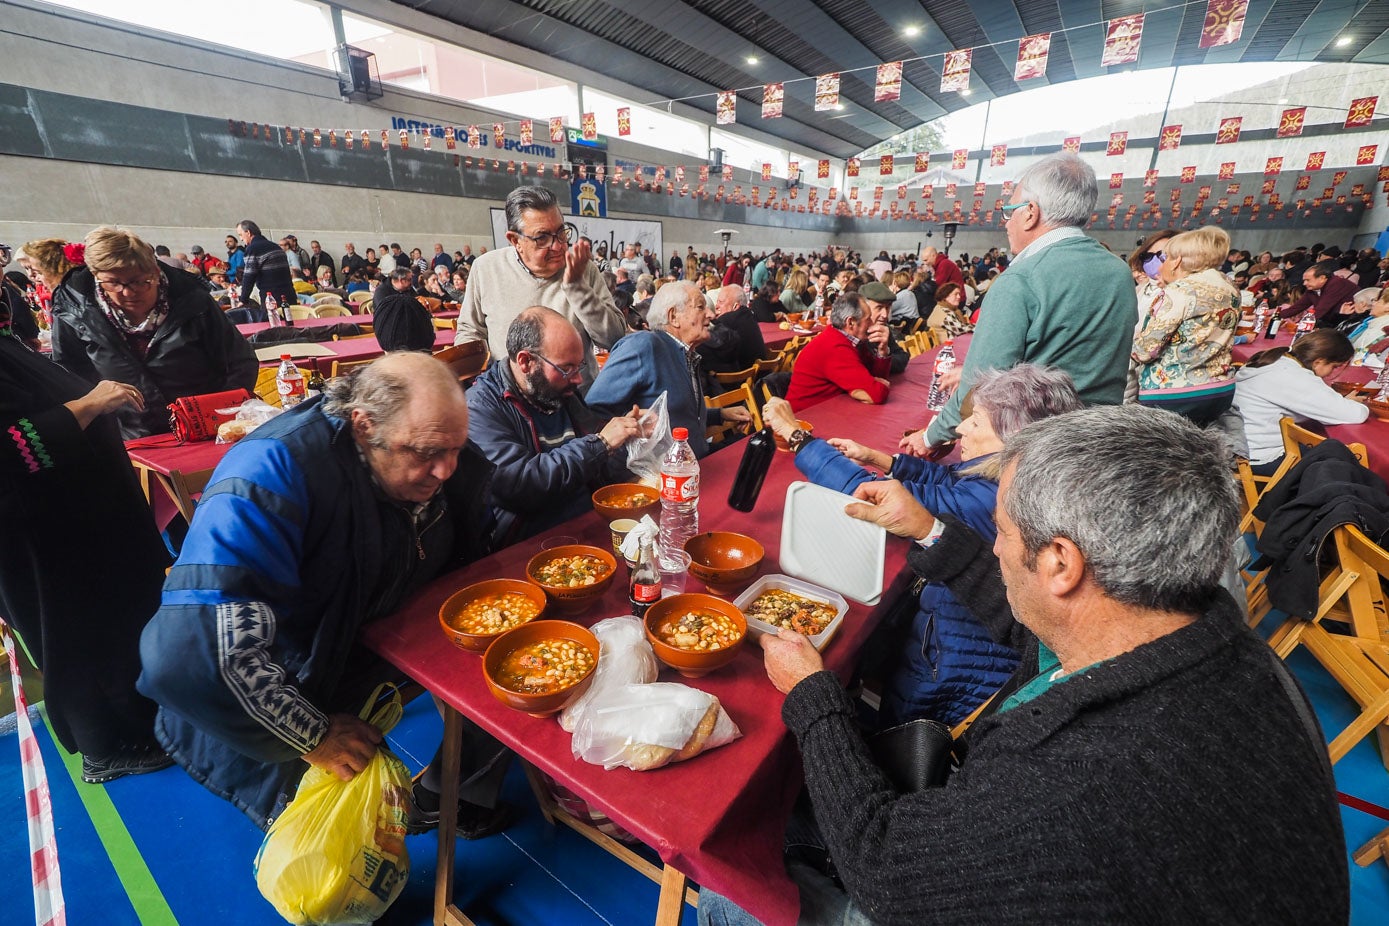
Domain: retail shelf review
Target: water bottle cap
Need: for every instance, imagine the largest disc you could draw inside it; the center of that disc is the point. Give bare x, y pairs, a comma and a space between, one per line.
284, 356
680, 433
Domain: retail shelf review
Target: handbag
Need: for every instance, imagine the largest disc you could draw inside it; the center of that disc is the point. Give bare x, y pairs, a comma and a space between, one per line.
196, 417
914, 755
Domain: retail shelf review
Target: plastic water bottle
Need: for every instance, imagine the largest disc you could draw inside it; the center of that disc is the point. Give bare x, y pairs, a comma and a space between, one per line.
1260, 319
679, 494
289, 382
1306, 323
945, 361
1382, 383
272, 312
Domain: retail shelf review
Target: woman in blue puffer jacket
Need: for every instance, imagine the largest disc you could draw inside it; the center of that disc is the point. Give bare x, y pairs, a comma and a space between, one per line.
949, 662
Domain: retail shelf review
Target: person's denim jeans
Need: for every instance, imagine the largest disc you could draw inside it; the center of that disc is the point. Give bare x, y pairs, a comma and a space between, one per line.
823, 903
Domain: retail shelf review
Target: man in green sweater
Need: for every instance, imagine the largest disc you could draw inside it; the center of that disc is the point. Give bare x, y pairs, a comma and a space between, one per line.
1064, 301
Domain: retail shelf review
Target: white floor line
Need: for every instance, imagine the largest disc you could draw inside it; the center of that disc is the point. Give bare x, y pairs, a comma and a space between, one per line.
557, 880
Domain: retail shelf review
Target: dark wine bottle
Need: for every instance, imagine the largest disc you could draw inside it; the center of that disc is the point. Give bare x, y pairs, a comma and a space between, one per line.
752, 471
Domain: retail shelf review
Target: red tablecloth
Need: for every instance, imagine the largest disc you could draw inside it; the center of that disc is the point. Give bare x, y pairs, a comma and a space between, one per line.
720, 817
251, 328
774, 336
365, 348
160, 456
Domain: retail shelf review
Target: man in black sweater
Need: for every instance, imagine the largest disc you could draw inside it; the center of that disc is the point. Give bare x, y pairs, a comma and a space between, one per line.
1150, 762
401, 321
266, 268
735, 341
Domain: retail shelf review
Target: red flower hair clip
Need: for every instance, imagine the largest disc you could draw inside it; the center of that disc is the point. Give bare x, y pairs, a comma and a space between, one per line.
75, 254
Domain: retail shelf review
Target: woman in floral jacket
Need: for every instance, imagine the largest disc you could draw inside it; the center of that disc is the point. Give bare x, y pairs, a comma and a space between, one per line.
1183, 351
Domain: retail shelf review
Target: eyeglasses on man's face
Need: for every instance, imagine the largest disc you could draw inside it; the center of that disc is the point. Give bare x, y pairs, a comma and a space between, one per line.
568, 372
547, 240
1009, 209
126, 286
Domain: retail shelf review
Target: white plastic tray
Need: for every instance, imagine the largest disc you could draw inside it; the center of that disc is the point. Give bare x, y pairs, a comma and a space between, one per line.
819, 542
795, 587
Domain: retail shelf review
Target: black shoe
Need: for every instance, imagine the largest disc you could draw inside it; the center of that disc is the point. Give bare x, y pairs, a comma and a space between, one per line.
135, 761
474, 820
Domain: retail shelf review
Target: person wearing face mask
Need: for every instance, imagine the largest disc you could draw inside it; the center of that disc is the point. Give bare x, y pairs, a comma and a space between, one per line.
549, 448
1145, 262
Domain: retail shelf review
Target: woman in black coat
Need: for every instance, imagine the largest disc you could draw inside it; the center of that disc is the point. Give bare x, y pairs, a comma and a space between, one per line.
84, 564
126, 317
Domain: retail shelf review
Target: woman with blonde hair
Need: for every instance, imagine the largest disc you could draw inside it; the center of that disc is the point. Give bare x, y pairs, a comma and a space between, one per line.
1183, 351
121, 315
793, 297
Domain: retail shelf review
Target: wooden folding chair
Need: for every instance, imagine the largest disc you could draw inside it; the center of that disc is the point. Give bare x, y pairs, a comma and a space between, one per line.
184, 488
265, 385
343, 366
430, 303
467, 360
733, 397
1358, 660
736, 378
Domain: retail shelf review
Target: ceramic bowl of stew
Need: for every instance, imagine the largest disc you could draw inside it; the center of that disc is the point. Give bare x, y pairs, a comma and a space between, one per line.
541, 666
694, 633
573, 575
627, 500
473, 617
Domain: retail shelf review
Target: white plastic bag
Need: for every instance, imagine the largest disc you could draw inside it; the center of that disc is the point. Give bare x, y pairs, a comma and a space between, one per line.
248, 416
644, 454
647, 726
624, 658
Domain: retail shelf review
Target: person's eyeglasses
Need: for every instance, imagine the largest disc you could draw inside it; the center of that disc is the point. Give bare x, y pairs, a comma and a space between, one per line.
568, 372
119, 286
547, 240
1009, 209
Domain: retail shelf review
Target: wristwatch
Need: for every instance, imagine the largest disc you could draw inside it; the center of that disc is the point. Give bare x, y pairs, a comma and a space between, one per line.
797, 440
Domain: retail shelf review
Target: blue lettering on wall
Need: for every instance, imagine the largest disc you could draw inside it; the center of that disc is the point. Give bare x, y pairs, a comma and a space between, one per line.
436, 130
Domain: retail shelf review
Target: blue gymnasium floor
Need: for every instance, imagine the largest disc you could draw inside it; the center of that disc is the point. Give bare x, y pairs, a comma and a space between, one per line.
158, 849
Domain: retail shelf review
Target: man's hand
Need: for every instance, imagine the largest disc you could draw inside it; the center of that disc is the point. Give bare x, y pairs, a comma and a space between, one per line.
913, 443
106, 396
576, 261
737, 413
619, 431
346, 748
1348, 308
778, 414
891, 506
789, 658
863, 456
950, 379
879, 336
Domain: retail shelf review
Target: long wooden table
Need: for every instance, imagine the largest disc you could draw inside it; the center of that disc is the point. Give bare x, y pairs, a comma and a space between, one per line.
720, 817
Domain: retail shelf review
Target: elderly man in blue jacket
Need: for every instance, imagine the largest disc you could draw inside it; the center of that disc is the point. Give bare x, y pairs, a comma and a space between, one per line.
323, 519
549, 448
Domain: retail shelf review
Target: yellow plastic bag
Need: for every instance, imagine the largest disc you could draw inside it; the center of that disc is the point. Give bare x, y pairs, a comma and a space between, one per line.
337, 854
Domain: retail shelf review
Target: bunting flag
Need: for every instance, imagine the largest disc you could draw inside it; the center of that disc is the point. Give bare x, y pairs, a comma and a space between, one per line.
766, 171
1273, 166
1361, 112
954, 75
902, 192
1118, 143
583, 171
1232, 189
1229, 130
527, 132
703, 173
998, 156
1007, 189
1366, 154
1290, 123
661, 175
1071, 144
499, 135
877, 193
1383, 174
317, 139
366, 140
385, 140
851, 167
950, 189
1032, 56
979, 189
1268, 186
1150, 197
1116, 181
826, 92
404, 140
929, 190
885, 165
1224, 22
347, 139
793, 168
1315, 160
958, 159
923, 162
1189, 174
427, 137
624, 121
822, 169
1203, 192
1171, 138
474, 137
1150, 177
727, 173
772, 96
1227, 171
888, 86
588, 126
679, 174
853, 193
1303, 182
1121, 40
557, 129
450, 139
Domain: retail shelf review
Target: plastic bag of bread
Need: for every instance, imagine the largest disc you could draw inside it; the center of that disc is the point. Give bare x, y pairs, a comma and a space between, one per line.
624, 658
647, 726
250, 415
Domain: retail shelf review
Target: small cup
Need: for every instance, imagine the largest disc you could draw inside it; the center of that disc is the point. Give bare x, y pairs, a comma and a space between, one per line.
560, 541
619, 529
675, 569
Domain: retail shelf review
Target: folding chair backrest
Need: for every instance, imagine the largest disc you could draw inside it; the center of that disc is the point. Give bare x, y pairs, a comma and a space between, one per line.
743, 396
466, 360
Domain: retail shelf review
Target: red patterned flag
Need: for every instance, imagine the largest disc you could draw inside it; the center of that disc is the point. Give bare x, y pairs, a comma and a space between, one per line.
1304, 181
1358, 190
1229, 130
1273, 166
474, 137
588, 125
1361, 112
1232, 189
317, 138
1116, 181
557, 129
822, 169
1203, 192
888, 86
1338, 177
1071, 145
404, 139
1121, 40
385, 140
366, 140
950, 190
1383, 173
853, 193
1315, 160
1268, 186
1118, 142
979, 189
727, 173
624, 121
499, 135
998, 156
347, 138
885, 165
957, 160
1224, 22
1189, 174
923, 162
772, 97
1366, 154
1150, 177
877, 193
1032, 56
766, 170
1007, 189
450, 138
703, 173
1227, 171
1171, 138
954, 75
680, 174
726, 108
826, 92
1149, 197
902, 192
527, 132
851, 167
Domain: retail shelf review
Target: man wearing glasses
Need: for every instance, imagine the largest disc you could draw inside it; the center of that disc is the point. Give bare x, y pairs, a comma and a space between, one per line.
1064, 301
549, 448
545, 267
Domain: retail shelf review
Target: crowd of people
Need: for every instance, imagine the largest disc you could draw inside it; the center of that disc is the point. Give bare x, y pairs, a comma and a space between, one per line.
1076, 800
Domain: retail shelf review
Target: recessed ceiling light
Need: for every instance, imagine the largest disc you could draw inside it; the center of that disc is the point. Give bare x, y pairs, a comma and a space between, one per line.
911, 32
839, 106
965, 92
751, 59
1344, 40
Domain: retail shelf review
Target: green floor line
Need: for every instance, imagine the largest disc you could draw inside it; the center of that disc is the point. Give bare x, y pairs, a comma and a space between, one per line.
135, 876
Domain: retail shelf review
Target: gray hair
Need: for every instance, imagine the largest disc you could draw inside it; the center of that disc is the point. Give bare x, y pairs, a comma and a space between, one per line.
400, 273
645, 284
1063, 187
1144, 494
525, 198
1367, 296
670, 296
1020, 395
740, 295
378, 393
847, 308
